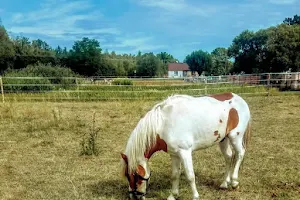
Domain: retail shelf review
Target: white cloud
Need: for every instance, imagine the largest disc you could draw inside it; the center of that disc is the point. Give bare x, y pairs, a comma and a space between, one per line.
49, 31
166, 4
190, 43
131, 42
57, 19
52, 11
180, 7
282, 1
17, 17
135, 44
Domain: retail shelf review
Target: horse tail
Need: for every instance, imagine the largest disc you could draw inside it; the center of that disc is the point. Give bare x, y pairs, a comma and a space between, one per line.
247, 135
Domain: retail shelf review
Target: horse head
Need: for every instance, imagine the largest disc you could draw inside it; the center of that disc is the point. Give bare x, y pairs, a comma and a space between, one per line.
138, 177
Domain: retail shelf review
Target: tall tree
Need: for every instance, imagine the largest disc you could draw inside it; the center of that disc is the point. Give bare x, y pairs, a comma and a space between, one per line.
249, 49
166, 58
85, 56
58, 51
23, 46
220, 61
199, 61
149, 65
284, 48
292, 21
7, 51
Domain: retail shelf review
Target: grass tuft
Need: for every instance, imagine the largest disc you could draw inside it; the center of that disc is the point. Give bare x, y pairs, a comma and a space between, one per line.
88, 144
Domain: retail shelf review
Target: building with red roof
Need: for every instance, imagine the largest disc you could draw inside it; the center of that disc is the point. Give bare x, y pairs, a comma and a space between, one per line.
178, 70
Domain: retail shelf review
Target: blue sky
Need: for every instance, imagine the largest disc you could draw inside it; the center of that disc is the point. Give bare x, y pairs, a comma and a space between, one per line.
126, 26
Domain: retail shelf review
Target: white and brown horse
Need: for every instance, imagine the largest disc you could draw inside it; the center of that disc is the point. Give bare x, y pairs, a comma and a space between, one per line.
180, 125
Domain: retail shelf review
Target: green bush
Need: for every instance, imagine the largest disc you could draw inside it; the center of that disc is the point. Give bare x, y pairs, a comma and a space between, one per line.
39, 77
122, 82
55, 74
16, 81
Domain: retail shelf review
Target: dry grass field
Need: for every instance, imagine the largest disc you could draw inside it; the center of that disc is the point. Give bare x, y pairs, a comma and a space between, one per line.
40, 149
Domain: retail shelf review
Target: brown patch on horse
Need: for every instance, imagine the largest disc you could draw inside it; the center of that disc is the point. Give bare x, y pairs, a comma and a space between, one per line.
140, 171
124, 158
160, 145
131, 177
222, 96
219, 136
126, 164
237, 133
233, 120
131, 181
216, 133
220, 121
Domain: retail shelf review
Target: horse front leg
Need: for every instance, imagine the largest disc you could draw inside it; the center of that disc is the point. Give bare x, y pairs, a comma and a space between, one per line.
176, 171
186, 158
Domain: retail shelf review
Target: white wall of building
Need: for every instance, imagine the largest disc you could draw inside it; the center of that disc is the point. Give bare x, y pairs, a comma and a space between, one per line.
175, 74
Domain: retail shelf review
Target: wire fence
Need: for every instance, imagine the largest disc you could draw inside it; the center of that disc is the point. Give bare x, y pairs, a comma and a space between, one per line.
106, 88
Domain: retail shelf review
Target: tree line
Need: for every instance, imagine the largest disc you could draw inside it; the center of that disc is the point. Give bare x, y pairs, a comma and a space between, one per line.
274, 49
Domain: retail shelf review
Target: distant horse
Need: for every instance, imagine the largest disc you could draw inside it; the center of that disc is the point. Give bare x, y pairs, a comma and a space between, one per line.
180, 125
108, 81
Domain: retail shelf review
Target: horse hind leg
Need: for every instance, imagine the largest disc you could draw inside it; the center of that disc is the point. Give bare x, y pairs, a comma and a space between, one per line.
227, 152
236, 140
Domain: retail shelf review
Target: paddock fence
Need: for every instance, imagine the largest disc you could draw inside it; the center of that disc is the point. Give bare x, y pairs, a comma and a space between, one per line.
131, 88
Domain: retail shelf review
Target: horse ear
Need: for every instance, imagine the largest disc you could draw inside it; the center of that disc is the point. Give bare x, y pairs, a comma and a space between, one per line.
141, 171
124, 158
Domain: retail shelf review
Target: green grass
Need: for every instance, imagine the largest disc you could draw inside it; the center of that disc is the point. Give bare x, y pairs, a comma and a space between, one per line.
115, 92
41, 152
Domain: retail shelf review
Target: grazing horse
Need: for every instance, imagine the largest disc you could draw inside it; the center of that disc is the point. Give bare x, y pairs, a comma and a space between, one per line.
180, 125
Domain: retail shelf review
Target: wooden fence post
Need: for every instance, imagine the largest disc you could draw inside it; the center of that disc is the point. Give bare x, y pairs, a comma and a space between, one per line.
2, 90
205, 89
77, 87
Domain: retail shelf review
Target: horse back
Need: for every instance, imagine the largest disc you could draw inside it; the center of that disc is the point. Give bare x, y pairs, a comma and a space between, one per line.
204, 121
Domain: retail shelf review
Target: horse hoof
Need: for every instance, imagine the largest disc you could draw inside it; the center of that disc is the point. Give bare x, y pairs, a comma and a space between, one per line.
224, 186
235, 184
171, 197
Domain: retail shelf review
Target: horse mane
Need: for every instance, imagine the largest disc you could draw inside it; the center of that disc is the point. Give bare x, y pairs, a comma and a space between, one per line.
143, 137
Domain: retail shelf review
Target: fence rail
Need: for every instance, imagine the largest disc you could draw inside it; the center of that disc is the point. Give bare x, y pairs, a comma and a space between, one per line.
103, 88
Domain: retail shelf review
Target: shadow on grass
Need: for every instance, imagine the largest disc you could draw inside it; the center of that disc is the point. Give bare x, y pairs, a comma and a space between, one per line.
110, 189
118, 189
203, 180
160, 186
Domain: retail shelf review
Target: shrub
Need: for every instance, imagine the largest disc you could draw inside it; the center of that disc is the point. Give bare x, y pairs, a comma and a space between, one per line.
122, 82
39, 77
16, 81
55, 74
88, 144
